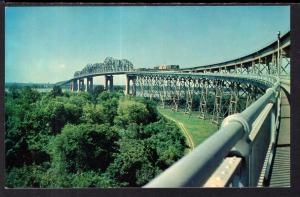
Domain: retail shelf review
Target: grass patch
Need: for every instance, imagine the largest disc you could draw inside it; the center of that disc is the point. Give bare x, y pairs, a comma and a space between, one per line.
198, 129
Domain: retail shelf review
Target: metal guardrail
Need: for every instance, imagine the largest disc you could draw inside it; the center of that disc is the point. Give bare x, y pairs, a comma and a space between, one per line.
225, 173
196, 168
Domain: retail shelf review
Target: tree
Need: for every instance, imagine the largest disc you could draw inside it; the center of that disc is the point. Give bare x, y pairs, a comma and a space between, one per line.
110, 110
105, 96
130, 111
26, 176
131, 165
15, 93
98, 89
93, 179
83, 147
152, 109
28, 96
16, 147
79, 100
71, 141
57, 116
93, 114
73, 113
165, 143
56, 91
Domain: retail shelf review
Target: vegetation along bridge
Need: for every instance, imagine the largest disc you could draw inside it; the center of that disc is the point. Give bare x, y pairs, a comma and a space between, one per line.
248, 97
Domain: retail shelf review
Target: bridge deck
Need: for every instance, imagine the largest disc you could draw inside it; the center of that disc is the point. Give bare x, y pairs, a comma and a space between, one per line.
281, 169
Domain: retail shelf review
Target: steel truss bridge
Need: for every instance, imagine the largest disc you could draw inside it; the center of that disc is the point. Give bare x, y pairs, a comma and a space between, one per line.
248, 97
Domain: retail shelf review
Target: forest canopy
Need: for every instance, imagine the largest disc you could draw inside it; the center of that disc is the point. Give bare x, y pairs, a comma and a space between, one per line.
99, 139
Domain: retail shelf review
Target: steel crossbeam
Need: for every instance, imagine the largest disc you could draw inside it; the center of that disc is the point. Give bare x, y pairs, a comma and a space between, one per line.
234, 98
217, 113
190, 83
204, 84
214, 97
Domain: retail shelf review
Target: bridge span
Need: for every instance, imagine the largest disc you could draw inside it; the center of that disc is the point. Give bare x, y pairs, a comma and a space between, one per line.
246, 97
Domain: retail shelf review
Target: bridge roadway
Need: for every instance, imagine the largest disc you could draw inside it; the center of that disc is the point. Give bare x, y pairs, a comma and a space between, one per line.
92, 75
281, 168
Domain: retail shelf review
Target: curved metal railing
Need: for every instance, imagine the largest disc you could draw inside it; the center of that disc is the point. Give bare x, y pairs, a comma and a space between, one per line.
196, 168
236, 153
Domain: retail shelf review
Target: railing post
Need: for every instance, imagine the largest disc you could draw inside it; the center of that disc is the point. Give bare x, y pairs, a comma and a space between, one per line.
278, 54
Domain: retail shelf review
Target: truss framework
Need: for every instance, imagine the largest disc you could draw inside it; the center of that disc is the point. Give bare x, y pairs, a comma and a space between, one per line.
216, 99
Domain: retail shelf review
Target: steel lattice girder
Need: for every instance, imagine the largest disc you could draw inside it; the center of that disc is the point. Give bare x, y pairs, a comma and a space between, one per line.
262, 83
204, 88
190, 84
227, 94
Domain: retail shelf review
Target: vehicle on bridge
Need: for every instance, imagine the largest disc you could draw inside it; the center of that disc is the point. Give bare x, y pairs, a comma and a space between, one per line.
166, 67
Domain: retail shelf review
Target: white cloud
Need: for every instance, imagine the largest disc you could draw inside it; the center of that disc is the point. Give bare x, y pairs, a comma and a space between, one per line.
62, 66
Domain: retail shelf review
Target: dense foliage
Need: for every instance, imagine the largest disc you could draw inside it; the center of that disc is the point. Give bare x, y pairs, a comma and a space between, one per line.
101, 139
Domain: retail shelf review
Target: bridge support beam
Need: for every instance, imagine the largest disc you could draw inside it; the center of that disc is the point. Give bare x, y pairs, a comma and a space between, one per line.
234, 98
127, 88
74, 85
190, 83
80, 85
110, 86
89, 84
203, 98
217, 112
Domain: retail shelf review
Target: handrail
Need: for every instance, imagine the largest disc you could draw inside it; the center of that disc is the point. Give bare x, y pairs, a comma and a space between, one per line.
194, 169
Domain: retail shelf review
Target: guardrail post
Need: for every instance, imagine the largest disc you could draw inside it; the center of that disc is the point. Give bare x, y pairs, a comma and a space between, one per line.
278, 54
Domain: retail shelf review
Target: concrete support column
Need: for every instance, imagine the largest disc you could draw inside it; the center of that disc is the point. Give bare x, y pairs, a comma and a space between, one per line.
81, 85
87, 89
78, 85
127, 85
105, 82
92, 84
127, 89
111, 82
89, 84
74, 85
85, 84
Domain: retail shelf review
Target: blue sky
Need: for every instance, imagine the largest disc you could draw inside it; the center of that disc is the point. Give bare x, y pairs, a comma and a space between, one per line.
48, 44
